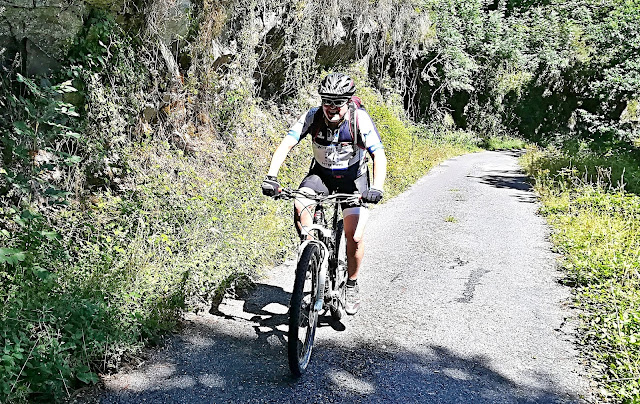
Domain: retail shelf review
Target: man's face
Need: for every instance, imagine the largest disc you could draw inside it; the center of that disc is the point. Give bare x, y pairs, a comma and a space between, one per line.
334, 109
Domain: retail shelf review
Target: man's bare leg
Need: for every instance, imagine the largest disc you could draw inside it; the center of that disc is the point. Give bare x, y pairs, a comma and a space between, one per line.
304, 210
354, 223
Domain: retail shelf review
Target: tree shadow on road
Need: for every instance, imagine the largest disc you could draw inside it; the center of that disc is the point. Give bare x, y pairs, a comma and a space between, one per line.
512, 179
269, 306
243, 360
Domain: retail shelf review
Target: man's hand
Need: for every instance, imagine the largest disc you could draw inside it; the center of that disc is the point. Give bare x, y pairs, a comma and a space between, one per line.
270, 186
372, 195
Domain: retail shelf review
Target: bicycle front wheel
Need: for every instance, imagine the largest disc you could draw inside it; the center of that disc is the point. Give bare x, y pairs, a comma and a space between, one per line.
302, 318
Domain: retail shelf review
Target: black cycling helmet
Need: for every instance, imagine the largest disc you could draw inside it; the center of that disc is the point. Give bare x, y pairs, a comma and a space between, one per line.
337, 85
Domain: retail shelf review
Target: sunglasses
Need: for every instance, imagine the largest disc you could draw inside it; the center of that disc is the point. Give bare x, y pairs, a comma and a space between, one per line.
334, 102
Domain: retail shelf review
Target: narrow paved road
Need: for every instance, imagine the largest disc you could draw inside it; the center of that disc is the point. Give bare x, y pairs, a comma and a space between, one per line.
461, 304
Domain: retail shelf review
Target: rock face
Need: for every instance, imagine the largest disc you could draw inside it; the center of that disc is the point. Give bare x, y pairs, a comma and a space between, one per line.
41, 30
40, 33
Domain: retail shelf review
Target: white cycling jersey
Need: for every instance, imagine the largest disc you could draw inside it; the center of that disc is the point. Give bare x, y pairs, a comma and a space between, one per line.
333, 148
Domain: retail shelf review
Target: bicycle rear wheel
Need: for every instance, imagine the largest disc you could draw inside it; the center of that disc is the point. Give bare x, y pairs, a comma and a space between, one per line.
337, 309
302, 318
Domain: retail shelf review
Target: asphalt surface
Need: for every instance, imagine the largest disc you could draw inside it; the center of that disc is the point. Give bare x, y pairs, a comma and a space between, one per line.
461, 304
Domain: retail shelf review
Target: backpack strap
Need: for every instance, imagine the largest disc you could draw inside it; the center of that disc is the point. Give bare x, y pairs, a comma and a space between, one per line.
314, 128
354, 128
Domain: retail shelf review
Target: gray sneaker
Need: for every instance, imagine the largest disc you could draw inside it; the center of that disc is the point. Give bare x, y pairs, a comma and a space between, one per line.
352, 304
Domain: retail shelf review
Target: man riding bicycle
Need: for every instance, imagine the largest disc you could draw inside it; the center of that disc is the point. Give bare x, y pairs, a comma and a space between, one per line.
340, 134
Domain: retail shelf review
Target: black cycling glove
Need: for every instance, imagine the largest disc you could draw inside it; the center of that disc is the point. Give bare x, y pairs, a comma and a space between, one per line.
270, 186
372, 195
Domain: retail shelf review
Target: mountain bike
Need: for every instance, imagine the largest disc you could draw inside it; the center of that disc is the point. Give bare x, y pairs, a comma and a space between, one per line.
321, 274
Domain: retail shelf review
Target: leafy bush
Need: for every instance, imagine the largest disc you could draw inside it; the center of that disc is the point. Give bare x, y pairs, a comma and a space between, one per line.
55, 334
502, 143
410, 152
47, 335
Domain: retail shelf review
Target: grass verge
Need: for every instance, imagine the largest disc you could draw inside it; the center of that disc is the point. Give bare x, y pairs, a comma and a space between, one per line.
596, 220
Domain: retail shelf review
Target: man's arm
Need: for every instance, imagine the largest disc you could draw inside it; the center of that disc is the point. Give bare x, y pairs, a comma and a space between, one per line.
281, 154
373, 144
379, 168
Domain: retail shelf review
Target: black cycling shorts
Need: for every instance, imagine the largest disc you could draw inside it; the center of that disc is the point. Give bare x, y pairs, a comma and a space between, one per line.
325, 182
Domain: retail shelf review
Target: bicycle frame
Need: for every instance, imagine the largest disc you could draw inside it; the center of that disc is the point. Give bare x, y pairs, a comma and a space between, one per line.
326, 236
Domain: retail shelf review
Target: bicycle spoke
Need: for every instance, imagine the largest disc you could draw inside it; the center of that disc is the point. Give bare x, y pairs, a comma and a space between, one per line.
304, 320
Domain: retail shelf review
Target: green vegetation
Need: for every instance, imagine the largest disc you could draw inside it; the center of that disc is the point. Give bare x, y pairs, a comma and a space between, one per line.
111, 227
502, 143
56, 331
596, 223
130, 176
410, 150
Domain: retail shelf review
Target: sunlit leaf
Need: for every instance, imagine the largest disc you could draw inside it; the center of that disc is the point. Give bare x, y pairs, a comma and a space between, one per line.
12, 255
72, 160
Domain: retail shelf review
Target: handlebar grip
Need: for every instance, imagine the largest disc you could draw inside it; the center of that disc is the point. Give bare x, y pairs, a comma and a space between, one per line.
271, 188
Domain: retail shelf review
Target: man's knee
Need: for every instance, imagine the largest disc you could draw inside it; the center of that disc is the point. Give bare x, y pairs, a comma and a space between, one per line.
355, 219
304, 204
350, 234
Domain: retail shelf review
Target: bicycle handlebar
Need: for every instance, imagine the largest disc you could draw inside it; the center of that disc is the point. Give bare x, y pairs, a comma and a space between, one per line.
288, 193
